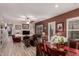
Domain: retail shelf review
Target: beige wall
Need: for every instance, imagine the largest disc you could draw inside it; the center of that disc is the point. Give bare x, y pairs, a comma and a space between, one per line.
20, 22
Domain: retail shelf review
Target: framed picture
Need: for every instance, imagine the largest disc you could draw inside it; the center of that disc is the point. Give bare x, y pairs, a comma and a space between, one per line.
25, 26
18, 27
60, 26
10, 25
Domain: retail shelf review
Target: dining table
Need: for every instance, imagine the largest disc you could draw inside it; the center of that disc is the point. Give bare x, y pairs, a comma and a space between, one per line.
53, 50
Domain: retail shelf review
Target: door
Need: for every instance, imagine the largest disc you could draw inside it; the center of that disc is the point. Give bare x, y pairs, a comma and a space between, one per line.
51, 30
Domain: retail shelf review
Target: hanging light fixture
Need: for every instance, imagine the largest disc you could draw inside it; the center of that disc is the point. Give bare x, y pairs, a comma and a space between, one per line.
27, 20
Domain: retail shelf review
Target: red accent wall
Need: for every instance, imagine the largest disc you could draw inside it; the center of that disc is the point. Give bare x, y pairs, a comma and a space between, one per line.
60, 18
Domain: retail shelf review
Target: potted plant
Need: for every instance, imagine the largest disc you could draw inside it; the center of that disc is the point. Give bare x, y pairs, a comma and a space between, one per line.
61, 42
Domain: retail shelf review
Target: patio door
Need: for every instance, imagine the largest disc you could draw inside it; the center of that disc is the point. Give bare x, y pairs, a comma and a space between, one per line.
51, 30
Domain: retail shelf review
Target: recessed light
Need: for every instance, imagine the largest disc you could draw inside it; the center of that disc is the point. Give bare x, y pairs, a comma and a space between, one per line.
56, 6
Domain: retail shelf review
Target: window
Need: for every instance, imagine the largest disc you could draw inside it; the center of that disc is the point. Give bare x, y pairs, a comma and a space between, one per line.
73, 28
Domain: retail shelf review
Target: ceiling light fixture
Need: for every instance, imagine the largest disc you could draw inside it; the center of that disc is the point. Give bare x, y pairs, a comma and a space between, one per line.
27, 22
56, 6
27, 19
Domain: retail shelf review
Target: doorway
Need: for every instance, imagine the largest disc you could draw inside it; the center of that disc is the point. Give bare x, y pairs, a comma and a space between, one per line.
51, 30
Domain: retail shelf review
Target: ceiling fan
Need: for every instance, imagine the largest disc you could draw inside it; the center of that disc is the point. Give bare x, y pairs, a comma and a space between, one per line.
28, 20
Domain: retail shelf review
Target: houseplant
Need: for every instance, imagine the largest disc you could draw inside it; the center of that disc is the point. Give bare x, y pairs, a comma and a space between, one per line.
60, 42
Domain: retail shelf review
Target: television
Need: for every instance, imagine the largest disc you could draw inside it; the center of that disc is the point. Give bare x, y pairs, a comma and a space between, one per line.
26, 32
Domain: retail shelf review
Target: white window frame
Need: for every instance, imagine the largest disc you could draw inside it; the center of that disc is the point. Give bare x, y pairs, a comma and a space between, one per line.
67, 22
54, 23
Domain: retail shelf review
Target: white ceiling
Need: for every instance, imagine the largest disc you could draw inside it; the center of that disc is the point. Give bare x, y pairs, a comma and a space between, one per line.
39, 11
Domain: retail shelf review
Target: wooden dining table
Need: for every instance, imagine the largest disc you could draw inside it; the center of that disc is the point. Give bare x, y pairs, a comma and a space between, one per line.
52, 50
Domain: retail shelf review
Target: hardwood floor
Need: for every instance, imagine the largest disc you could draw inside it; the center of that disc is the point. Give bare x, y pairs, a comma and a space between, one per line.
16, 49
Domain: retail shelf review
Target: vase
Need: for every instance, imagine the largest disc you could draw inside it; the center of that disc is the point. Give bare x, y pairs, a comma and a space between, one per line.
60, 45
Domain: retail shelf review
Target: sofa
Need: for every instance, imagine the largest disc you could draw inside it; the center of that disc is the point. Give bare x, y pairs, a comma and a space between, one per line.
16, 39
